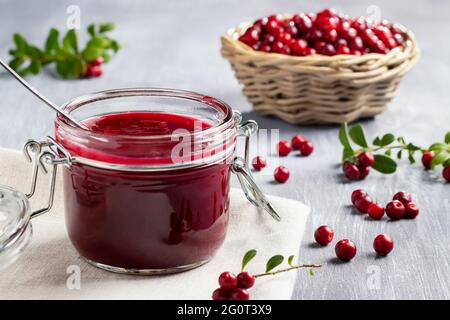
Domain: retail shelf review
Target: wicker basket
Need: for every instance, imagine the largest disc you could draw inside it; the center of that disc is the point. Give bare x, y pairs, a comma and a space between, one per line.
318, 89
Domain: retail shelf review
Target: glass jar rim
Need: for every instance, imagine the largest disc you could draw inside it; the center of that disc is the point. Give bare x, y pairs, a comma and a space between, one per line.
80, 101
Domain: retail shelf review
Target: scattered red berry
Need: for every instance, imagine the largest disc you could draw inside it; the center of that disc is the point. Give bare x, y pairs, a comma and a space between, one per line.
395, 210
383, 244
375, 211
245, 280
358, 193
366, 159
345, 250
411, 211
228, 281
403, 197
281, 174
239, 294
351, 171
363, 203
306, 148
259, 163
427, 156
297, 141
446, 173
284, 148
220, 294
324, 235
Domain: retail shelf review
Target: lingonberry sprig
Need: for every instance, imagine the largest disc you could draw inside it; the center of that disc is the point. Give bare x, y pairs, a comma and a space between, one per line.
356, 162
71, 61
234, 287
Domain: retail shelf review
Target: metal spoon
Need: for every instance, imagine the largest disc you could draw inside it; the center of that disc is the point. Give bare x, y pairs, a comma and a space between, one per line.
41, 96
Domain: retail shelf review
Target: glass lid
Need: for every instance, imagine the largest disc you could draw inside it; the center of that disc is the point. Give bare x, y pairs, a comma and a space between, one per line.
15, 226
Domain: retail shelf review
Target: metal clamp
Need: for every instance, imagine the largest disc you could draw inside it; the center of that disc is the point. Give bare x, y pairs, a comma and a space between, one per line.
240, 167
42, 156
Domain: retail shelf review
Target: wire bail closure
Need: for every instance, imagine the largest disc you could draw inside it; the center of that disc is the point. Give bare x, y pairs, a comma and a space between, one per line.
240, 167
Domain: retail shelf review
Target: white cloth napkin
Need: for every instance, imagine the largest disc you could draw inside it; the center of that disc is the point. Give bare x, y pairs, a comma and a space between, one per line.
49, 267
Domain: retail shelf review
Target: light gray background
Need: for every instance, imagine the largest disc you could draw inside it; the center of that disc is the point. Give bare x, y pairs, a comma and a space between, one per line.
176, 44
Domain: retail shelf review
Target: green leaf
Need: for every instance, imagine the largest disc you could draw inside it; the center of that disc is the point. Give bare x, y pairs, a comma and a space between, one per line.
387, 139
91, 30
401, 140
343, 136
21, 43
384, 164
347, 154
377, 141
16, 63
274, 262
399, 154
311, 272
447, 137
106, 27
106, 57
247, 258
388, 152
411, 157
412, 147
439, 146
115, 46
51, 44
356, 132
70, 41
90, 53
440, 158
35, 67
99, 41
291, 260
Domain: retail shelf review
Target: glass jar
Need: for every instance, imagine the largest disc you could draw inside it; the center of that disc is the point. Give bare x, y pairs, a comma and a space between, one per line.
156, 201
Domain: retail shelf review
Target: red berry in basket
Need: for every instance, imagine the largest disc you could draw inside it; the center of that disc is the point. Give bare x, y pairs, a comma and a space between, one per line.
239, 294
324, 235
349, 34
284, 148
280, 47
375, 211
359, 24
273, 27
358, 193
411, 211
281, 174
265, 48
220, 294
363, 203
395, 210
330, 35
298, 47
297, 141
306, 148
366, 159
427, 156
399, 39
245, 280
383, 244
329, 50
355, 52
364, 172
285, 38
259, 163
351, 171
228, 281
250, 37
403, 197
356, 44
446, 173
343, 49
303, 22
345, 250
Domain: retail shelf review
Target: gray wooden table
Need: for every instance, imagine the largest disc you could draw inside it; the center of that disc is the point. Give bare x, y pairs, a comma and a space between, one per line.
176, 44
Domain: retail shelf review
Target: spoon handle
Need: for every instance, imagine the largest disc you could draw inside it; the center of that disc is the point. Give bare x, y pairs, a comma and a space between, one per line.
40, 96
